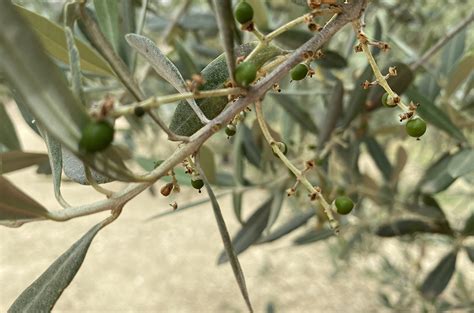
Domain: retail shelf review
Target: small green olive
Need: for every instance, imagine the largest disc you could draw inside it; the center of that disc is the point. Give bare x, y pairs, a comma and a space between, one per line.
299, 72
243, 12
245, 73
96, 136
230, 130
387, 101
197, 183
416, 127
344, 205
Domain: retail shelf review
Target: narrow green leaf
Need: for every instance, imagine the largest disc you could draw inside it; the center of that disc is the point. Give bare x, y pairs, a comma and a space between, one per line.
74, 65
378, 155
251, 231
470, 253
333, 114
16, 205
401, 159
107, 12
462, 163
439, 277
452, 52
251, 150
437, 177
313, 236
228, 246
433, 115
188, 67
42, 294
332, 60
208, 163
49, 100
53, 41
296, 112
286, 228
428, 207
293, 38
237, 205
409, 227
8, 137
469, 226
238, 153
460, 73
14, 160
357, 97
225, 22
279, 196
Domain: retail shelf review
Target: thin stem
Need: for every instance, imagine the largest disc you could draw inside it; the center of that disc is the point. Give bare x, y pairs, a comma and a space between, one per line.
171, 136
280, 30
299, 174
260, 36
108, 193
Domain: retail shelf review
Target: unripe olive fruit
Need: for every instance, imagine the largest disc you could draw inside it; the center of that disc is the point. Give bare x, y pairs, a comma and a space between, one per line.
245, 73
387, 101
344, 205
96, 136
416, 127
230, 130
243, 12
299, 72
197, 183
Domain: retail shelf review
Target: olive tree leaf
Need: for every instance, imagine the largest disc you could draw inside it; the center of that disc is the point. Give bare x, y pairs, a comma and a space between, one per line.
439, 277
185, 122
428, 207
237, 198
250, 231
225, 22
462, 163
314, 236
453, 51
49, 100
378, 155
15, 205
14, 160
42, 294
296, 112
228, 246
432, 114
333, 114
161, 64
53, 41
108, 18
332, 60
208, 163
8, 137
409, 227
188, 67
279, 196
460, 73
470, 253
401, 159
469, 226
292, 224
357, 97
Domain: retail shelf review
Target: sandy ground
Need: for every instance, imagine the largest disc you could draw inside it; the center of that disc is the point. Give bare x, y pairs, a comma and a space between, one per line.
168, 265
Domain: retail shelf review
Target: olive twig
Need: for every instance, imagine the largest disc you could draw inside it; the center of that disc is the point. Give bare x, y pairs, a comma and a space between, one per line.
315, 192
108, 193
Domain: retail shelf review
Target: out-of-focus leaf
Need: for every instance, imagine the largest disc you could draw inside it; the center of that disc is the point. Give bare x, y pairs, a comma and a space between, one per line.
230, 251
429, 87
378, 155
469, 226
74, 66
185, 122
452, 52
49, 100
16, 205
398, 83
437, 177
401, 159
462, 163
333, 114
251, 150
225, 22
25, 112
439, 277
428, 207
188, 65
313, 236
409, 227
297, 112
207, 163
160, 62
433, 115
42, 294
14, 160
357, 97
237, 204
8, 137
238, 153
332, 60
107, 12
470, 253
53, 41
293, 38
279, 196
460, 73
251, 231
286, 228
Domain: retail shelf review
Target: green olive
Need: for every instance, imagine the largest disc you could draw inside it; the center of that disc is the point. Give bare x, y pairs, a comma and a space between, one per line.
243, 12
416, 127
344, 205
299, 72
230, 130
96, 136
197, 183
387, 101
245, 73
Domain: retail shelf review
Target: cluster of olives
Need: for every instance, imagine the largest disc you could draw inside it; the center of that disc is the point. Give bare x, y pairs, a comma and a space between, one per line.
415, 127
